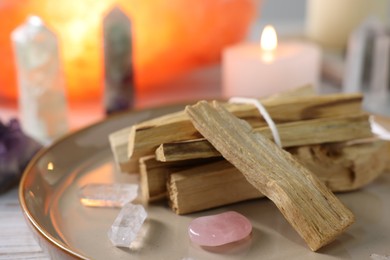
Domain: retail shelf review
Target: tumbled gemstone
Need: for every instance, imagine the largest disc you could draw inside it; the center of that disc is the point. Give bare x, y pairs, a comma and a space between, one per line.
220, 229
127, 225
108, 195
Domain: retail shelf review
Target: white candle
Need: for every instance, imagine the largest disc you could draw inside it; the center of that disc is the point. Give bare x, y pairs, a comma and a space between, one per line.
330, 22
252, 70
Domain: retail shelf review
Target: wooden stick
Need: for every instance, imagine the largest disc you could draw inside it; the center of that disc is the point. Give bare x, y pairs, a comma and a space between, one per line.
304, 91
341, 167
147, 136
119, 141
154, 175
316, 131
311, 208
153, 178
209, 186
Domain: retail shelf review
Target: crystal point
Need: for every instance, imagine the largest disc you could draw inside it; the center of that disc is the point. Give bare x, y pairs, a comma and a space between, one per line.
108, 195
220, 229
127, 225
42, 98
118, 61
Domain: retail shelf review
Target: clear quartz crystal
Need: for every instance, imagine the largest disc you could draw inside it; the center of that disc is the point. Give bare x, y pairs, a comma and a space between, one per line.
108, 195
42, 101
127, 224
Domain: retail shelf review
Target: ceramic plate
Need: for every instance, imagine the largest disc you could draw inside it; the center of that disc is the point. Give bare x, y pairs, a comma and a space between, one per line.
66, 229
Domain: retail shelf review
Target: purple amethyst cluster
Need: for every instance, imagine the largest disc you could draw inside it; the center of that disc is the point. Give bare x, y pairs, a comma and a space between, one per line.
16, 150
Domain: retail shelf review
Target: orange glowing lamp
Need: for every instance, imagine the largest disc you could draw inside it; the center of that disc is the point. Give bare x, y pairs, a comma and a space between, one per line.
170, 37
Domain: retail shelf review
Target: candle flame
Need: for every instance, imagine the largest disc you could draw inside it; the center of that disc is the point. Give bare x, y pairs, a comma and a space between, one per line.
268, 43
269, 39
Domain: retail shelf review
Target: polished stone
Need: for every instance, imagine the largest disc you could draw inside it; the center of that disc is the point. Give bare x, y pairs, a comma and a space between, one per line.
220, 229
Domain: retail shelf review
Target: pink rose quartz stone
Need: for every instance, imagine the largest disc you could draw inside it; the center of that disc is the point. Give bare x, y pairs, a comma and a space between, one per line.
220, 229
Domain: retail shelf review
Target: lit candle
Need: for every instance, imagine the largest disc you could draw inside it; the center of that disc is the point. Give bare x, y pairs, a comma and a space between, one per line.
255, 71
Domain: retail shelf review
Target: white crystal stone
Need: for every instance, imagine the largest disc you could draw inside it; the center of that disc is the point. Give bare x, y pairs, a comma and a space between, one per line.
108, 195
41, 82
127, 224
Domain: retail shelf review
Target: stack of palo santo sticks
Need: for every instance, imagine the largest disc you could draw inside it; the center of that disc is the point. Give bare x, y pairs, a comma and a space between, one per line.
329, 135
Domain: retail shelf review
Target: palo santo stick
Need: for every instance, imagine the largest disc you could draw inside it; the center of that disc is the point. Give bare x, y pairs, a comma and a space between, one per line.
148, 135
119, 140
185, 150
154, 175
208, 186
153, 178
119, 147
316, 131
304, 91
341, 167
311, 208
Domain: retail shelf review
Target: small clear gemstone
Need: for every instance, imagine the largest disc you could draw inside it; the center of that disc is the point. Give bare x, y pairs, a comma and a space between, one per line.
108, 195
127, 225
220, 229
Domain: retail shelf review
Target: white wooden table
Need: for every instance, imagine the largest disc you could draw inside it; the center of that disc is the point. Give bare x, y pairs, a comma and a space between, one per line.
16, 239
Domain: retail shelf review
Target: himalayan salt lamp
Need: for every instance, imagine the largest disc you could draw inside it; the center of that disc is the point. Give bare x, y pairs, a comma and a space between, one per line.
170, 37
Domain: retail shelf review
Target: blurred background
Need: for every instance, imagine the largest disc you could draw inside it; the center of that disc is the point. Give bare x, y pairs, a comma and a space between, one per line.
175, 51
283, 12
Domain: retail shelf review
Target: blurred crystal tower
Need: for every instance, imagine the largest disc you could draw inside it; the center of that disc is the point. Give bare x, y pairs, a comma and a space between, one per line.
42, 101
118, 62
